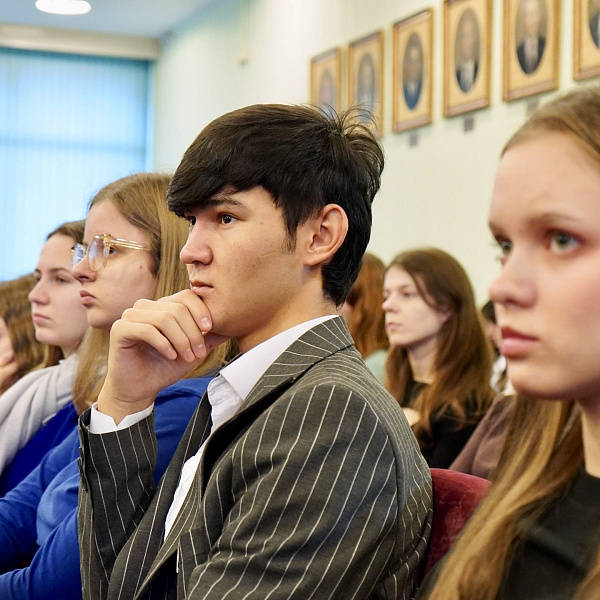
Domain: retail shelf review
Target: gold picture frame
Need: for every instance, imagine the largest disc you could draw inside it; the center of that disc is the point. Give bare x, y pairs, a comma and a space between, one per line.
365, 78
586, 39
326, 80
467, 51
531, 34
412, 63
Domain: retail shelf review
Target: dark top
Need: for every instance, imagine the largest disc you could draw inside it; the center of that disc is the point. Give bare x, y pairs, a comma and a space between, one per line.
559, 548
447, 437
557, 551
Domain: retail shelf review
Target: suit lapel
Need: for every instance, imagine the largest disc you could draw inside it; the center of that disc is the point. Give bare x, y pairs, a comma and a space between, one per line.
309, 349
312, 347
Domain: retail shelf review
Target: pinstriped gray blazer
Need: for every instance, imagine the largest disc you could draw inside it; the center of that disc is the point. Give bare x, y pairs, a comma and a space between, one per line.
315, 489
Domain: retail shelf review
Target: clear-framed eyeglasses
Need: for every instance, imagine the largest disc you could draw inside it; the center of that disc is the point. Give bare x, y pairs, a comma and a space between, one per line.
98, 250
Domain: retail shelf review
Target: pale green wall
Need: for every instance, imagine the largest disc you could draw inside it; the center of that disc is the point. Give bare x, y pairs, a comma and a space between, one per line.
239, 52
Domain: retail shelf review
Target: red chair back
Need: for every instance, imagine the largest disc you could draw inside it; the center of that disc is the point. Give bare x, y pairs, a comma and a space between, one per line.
455, 497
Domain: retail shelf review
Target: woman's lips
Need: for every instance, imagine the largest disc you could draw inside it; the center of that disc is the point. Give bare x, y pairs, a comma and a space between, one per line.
86, 298
39, 319
515, 344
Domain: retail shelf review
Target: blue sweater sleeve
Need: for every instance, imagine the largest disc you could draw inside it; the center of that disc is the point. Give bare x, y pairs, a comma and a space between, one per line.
29, 457
45, 577
54, 570
18, 509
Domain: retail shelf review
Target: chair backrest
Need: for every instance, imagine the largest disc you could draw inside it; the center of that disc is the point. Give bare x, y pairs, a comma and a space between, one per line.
455, 497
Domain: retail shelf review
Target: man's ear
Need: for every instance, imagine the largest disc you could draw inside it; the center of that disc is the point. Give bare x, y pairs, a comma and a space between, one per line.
327, 233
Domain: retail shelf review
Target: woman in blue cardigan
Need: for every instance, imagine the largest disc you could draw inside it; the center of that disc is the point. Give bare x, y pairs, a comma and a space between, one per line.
133, 243
38, 518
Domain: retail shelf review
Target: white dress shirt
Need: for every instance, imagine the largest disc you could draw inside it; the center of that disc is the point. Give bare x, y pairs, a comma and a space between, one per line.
226, 392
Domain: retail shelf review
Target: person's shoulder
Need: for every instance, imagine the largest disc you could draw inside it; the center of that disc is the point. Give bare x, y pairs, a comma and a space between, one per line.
343, 379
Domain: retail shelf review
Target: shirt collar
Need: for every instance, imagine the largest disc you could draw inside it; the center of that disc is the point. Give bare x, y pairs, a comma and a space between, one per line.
244, 372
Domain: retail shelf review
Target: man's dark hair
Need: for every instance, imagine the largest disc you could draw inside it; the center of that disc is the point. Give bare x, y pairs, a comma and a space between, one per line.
304, 158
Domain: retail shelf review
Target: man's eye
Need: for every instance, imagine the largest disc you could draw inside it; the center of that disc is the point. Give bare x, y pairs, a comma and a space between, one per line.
226, 219
191, 221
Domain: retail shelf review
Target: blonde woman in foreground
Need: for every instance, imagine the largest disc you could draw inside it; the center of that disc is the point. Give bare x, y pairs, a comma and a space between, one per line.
537, 533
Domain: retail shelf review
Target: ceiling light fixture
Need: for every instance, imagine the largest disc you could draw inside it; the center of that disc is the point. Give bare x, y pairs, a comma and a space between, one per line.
64, 7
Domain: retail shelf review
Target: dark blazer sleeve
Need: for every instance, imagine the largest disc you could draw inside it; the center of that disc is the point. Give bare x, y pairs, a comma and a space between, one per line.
119, 474
113, 496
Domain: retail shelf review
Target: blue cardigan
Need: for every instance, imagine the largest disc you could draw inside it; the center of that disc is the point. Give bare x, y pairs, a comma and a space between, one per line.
38, 518
29, 457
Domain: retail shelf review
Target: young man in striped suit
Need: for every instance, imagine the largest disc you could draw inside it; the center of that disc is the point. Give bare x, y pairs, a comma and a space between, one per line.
298, 476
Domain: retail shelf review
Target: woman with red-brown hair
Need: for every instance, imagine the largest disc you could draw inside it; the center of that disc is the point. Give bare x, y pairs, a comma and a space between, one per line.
440, 361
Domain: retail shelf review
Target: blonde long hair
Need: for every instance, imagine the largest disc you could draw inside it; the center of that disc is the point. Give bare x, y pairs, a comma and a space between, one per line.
538, 463
141, 199
464, 360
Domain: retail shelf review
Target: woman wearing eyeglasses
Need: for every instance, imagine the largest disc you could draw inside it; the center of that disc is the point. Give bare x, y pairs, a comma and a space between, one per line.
59, 322
132, 252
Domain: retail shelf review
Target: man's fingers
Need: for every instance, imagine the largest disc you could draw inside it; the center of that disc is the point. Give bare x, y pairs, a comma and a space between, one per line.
196, 307
175, 331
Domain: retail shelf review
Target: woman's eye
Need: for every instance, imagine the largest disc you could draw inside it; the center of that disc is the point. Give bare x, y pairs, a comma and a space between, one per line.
226, 219
561, 241
505, 247
191, 221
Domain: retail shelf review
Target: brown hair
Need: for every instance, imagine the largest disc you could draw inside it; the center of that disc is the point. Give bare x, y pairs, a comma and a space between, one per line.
75, 231
463, 365
141, 199
538, 462
15, 310
366, 299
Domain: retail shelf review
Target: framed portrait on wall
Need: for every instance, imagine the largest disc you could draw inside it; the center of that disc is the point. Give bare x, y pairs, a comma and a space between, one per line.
530, 48
467, 33
586, 38
325, 80
412, 67
365, 79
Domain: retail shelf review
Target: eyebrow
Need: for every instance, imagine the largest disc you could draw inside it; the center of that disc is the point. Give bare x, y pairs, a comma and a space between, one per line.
546, 218
403, 286
54, 270
223, 200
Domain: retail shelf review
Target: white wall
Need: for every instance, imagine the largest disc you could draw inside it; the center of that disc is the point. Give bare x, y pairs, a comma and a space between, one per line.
240, 52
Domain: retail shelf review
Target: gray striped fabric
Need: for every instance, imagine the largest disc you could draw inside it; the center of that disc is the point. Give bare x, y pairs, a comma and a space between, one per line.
316, 489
